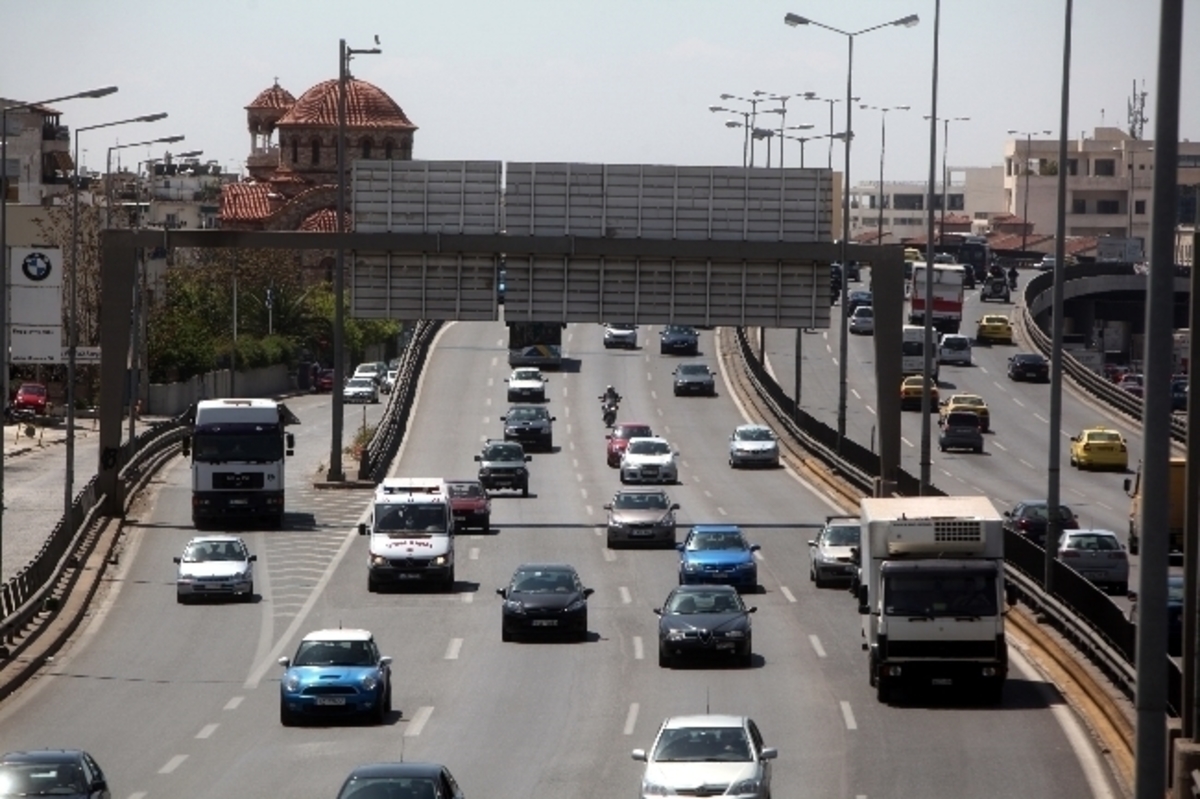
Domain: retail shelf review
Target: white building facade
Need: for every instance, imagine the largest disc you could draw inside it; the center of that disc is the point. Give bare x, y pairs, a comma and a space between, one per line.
977, 192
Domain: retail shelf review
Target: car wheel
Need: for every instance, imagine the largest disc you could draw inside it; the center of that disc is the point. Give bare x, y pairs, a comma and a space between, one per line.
286, 717
747, 657
623, 480
487, 524
583, 634
979, 450
249, 595
511, 398
387, 699
372, 586
664, 658
449, 583
883, 690
379, 714
1120, 589
505, 634
182, 599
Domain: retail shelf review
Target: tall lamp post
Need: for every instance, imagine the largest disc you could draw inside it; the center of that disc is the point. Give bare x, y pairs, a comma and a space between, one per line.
804, 139
883, 112
946, 171
90, 94
1025, 168
733, 123
782, 111
345, 54
72, 308
794, 20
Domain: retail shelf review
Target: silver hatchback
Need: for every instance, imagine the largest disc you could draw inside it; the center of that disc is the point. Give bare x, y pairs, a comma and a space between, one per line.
641, 517
1099, 556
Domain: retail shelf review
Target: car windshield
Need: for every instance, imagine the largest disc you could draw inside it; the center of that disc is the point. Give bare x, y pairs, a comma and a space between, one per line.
360, 382
843, 535
995, 320
1092, 542
404, 520
388, 787
640, 501
632, 431
527, 374
1175, 590
965, 419
707, 542
525, 414
964, 399
648, 448
693, 369
201, 551
864, 312
687, 603
755, 434
702, 744
1038, 512
911, 348
939, 594
544, 581
41, 779
238, 443
465, 489
334, 653
503, 452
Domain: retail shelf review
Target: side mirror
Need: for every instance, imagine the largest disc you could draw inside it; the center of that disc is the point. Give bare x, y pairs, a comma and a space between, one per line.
502, 592
185, 448
478, 458
607, 506
638, 754
506, 380
253, 558
386, 660
752, 609
608, 436
679, 547
528, 458
863, 596
674, 506
291, 440
769, 753
176, 560
285, 662
1131, 596
554, 418
755, 547
362, 528
854, 556
1074, 438
587, 592
657, 611
504, 418
812, 542
864, 610
1008, 513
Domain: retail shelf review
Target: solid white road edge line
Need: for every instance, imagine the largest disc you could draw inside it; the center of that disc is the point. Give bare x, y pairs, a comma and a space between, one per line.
418, 721
820, 650
631, 718
848, 716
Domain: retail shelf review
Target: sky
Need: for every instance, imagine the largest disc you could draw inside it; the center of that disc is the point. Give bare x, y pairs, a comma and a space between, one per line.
611, 81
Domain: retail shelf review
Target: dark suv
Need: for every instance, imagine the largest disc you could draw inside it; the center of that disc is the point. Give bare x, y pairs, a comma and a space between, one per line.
961, 430
530, 425
502, 465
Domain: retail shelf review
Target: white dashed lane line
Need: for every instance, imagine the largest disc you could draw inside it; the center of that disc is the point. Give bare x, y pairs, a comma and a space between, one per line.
453, 648
233, 703
1041, 418
609, 555
999, 446
467, 598
583, 493
473, 553
906, 441
639, 651
1026, 463
870, 410
173, 764
708, 493
207, 730
1106, 507
626, 597
758, 556
587, 508
816, 645
787, 593
848, 716
857, 396
419, 719
653, 394
721, 511
1018, 402
631, 718
491, 381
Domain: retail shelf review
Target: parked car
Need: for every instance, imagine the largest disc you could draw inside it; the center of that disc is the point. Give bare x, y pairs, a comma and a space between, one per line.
544, 598
954, 348
694, 378
1179, 395
1030, 518
1098, 556
387, 780
470, 503
31, 397
389, 381
960, 430
1030, 366
678, 340
324, 381
718, 554
61, 773
374, 370
620, 335
704, 621
215, 566
360, 389
753, 445
862, 320
641, 516
335, 673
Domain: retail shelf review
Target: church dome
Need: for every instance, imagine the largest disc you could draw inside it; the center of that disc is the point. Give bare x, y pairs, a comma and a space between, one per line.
367, 106
273, 97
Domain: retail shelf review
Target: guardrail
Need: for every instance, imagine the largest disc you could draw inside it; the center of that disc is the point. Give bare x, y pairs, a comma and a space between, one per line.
33, 590
1080, 610
381, 449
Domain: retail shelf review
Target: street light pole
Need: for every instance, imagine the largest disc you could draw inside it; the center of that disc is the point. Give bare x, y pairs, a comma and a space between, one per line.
1025, 168
882, 147
745, 123
336, 474
794, 20
946, 172
927, 320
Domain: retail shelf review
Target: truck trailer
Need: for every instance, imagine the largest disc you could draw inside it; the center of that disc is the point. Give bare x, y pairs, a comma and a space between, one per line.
931, 593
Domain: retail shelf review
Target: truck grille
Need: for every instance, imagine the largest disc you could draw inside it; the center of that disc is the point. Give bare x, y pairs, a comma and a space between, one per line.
948, 650
237, 480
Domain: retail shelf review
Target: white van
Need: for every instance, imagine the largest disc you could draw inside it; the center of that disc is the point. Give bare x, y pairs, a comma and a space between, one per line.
912, 351
412, 533
955, 348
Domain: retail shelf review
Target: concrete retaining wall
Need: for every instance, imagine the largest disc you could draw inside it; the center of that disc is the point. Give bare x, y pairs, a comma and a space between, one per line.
171, 399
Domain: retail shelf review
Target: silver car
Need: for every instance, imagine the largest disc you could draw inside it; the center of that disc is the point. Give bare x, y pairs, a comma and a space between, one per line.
360, 389
644, 516
753, 445
215, 565
620, 335
862, 320
1097, 555
830, 555
707, 756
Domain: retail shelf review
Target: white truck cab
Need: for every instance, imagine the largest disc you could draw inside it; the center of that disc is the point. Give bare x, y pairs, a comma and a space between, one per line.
412, 533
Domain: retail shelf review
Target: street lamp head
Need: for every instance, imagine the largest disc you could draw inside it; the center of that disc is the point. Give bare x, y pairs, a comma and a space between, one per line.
715, 108
907, 22
809, 95
168, 140
732, 123
795, 19
727, 96
803, 126
191, 154
104, 92
151, 117
902, 108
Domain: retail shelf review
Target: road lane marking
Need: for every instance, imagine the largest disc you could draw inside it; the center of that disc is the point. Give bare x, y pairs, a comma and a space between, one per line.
1076, 492
564, 387
233, 703
207, 730
653, 394
571, 444
857, 396
660, 412
418, 721
945, 472
639, 651
453, 649
906, 441
787, 593
870, 410
587, 508
609, 555
138, 795
626, 597
1027, 463
828, 348
1041, 418
977, 489
758, 556
666, 429
1106, 507
173, 764
575, 462
983, 369
494, 359
721, 510
491, 381
999, 446
467, 597
687, 465
708, 493
835, 361
578, 477
631, 718
848, 715
1018, 402
816, 645
583, 491
473, 553
648, 375
487, 420
487, 401
695, 478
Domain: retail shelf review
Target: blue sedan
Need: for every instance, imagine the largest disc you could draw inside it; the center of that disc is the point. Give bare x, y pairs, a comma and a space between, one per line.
335, 673
718, 554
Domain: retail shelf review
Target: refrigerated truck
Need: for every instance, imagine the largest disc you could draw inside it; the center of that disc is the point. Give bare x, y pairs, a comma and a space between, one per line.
947, 296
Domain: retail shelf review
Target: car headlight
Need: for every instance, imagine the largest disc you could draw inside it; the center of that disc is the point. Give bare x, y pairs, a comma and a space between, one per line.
291, 683
512, 606
510, 431
744, 786
440, 560
617, 525
746, 565
379, 560
521, 472
735, 634
370, 682
654, 789
485, 472
692, 567
578, 604
186, 579
676, 635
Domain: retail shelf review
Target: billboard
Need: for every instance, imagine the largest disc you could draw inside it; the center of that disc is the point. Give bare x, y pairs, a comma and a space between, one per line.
35, 305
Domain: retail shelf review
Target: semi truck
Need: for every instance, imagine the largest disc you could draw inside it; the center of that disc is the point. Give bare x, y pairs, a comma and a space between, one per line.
931, 594
947, 296
238, 448
1177, 489
412, 534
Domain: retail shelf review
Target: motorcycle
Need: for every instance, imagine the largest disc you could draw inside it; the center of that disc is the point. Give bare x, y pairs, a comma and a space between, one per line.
608, 410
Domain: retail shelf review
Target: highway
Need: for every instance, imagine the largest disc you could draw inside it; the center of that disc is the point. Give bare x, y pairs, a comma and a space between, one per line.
192, 691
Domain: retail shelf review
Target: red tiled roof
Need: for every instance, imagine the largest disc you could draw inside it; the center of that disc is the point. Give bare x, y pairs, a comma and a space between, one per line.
957, 219
273, 97
367, 106
242, 202
1012, 241
324, 221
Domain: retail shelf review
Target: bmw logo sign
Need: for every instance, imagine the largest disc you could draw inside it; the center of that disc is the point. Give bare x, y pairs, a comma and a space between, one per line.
36, 267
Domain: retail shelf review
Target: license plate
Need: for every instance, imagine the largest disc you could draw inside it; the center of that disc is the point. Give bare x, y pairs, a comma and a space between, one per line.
239, 502
1095, 575
408, 576
331, 701
640, 533
725, 645
545, 622
942, 681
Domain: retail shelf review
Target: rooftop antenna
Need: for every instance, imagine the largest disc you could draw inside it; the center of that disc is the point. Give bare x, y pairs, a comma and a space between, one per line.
1137, 109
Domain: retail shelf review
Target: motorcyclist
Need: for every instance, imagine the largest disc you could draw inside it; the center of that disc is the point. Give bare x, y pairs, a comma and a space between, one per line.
1012, 277
610, 396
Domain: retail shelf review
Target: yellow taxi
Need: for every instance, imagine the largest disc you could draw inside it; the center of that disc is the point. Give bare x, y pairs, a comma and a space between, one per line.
1099, 447
911, 391
994, 328
971, 403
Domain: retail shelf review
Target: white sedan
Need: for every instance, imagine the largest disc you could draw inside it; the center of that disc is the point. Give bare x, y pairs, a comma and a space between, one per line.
215, 565
526, 385
649, 460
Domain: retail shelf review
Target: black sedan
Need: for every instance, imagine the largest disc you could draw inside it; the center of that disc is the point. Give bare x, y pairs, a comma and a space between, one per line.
1030, 366
1030, 519
401, 779
544, 598
66, 773
699, 620
678, 340
695, 378
856, 299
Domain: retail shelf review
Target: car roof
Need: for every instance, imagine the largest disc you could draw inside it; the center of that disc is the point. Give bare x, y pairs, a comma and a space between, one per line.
339, 635
715, 528
648, 438
42, 756
1089, 531
397, 770
547, 567
215, 539
965, 398
704, 589
633, 424
752, 427
685, 722
639, 490
465, 480
991, 318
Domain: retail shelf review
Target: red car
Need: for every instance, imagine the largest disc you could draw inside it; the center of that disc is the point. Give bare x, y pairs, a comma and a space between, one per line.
470, 503
30, 397
618, 439
324, 381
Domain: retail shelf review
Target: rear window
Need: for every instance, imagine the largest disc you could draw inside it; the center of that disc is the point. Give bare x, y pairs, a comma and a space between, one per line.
955, 343
962, 420
1104, 438
465, 489
1093, 542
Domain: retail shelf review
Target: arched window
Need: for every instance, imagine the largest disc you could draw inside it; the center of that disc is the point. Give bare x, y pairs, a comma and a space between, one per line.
388, 146
366, 148
406, 150
316, 151
295, 149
